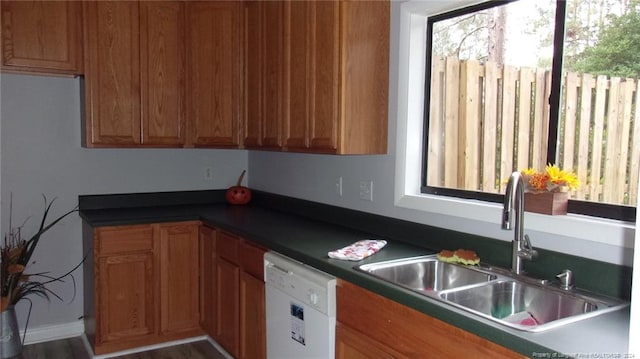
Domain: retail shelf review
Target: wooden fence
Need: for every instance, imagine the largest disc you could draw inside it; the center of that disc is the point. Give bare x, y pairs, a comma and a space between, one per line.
488, 120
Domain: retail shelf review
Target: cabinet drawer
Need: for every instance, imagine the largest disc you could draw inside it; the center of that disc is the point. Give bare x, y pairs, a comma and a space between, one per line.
228, 247
251, 259
124, 239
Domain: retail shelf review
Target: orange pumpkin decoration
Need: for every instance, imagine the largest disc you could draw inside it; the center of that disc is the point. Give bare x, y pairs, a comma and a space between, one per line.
239, 194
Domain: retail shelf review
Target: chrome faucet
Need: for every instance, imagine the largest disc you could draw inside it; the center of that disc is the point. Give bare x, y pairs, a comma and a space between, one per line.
513, 216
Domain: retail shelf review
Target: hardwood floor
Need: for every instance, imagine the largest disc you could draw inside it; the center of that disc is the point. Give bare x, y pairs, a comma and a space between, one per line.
73, 348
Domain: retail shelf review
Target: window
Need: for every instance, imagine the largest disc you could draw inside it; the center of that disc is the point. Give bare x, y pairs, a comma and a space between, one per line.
514, 85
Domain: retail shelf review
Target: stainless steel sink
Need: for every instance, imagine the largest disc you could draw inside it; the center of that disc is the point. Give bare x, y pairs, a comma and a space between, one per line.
523, 306
426, 274
496, 294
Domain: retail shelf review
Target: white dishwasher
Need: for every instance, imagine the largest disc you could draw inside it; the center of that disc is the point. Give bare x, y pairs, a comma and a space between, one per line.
301, 310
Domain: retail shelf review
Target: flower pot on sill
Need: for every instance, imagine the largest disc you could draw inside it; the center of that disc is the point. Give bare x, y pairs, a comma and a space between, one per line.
554, 203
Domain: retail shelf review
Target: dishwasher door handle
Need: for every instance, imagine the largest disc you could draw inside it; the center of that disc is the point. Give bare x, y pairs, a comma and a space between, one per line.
280, 269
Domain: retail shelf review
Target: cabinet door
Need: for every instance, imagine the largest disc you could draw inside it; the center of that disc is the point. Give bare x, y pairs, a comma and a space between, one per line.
112, 69
162, 72
42, 36
253, 74
351, 344
298, 73
272, 74
214, 72
208, 281
253, 320
126, 303
253, 342
179, 283
324, 118
364, 71
312, 75
228, 311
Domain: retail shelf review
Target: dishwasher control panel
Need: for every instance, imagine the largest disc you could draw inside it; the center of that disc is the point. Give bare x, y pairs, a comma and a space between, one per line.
306, 284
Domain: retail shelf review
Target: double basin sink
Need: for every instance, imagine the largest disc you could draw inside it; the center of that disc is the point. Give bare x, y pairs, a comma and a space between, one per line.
515, 301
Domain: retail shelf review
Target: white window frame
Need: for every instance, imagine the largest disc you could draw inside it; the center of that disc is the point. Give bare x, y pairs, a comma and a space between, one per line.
475, 216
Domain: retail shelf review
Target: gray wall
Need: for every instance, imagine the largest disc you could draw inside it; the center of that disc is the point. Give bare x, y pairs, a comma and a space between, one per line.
41, 154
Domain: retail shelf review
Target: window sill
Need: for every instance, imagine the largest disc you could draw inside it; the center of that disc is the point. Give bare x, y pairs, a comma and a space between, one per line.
599, 230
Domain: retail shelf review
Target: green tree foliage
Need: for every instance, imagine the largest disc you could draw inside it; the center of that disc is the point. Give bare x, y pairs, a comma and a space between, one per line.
617, 52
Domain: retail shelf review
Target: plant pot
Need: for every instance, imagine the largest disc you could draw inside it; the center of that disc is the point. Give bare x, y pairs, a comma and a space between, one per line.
553, 203
10, 344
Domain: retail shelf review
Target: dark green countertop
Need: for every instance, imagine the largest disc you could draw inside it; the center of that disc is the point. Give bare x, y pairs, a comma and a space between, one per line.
309, 240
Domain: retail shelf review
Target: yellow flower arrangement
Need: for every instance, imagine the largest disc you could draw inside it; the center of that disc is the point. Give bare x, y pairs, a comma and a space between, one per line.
552, 179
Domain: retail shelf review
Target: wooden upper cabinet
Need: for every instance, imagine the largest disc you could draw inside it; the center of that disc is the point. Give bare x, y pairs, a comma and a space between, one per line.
272, 72
135, 74
336, 76
112, 73
42, 36
364, 77
253, 74
325, 118
214, 80
311, 76
264, 51
162, 72
298, 66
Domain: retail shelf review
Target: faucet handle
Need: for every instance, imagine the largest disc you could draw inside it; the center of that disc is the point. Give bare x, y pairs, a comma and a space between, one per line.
526, 243
527, 251
566, 279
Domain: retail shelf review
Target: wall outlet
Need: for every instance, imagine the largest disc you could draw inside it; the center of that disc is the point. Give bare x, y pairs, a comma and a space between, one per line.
208, 173
366, 190
338, 185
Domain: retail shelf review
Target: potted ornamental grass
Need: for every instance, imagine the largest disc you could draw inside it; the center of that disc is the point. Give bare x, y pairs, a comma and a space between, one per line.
17, 283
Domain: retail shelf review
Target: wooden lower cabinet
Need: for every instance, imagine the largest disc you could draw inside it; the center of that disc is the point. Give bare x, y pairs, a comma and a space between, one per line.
240, 306
253, 317
144, 286
179, 282
228, 299
208, 280
126, 307
372, 326
354, 345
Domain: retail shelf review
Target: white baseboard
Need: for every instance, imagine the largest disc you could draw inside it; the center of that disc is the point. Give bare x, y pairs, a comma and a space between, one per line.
53, 332
142, 349
76, 329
